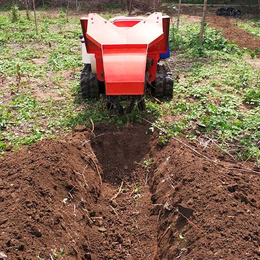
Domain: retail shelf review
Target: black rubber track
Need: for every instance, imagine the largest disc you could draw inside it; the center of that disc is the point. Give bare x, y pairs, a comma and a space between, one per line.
89, 84
162, 86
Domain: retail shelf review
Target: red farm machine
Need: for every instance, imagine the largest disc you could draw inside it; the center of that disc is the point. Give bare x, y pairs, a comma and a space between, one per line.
122, 57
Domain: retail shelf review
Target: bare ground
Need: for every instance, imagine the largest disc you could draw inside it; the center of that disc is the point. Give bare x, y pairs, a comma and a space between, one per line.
154, 202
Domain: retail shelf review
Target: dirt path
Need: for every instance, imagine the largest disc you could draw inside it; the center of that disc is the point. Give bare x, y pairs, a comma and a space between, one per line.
241, 37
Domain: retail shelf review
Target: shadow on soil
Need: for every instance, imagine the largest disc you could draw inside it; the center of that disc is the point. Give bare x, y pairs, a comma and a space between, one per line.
120, 149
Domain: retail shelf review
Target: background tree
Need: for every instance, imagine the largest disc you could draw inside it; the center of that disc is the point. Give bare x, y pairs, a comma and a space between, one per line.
203, 21
178, 17
131, 5
35, 19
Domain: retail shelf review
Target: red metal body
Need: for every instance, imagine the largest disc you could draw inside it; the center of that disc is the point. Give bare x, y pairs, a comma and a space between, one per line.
122, 47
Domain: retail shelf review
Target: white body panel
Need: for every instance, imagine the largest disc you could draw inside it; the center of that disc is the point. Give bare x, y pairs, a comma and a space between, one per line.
88, 58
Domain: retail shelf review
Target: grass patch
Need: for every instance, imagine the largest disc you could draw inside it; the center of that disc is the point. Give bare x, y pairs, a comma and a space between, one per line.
39, 79
214, 44
217, 94
252, 26
218, 98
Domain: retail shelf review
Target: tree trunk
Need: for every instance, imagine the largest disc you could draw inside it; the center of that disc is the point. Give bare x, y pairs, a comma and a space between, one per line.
203, 21
27, 9
68, 8
131, 5
35, 20
178, 17
259, 6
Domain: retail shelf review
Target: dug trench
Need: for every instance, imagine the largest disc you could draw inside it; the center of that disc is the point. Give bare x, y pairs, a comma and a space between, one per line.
117, 193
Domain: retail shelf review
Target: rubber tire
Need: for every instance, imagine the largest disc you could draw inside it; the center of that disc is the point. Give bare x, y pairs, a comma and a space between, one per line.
141, 105
89, 84
162, 86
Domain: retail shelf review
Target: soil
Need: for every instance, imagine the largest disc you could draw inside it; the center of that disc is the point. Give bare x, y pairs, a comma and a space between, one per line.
44, 198
209, 211
241, 37
153, 202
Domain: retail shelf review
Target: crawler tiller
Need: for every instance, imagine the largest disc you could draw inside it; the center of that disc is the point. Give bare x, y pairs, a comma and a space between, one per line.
122, 57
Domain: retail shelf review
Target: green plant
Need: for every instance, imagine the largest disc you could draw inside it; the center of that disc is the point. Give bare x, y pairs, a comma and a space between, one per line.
14, 13
252, 97
136, 197
181, 238
62, 252
211, 94
137, 187
134, 226
148, 162
214, 86
62, 13
188, 38
252, 26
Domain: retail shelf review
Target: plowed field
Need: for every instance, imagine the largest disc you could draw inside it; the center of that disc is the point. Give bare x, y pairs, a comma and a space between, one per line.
117, 193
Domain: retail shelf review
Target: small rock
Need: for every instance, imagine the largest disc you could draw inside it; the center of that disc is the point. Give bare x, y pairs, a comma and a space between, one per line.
9, 148
187, 212
113, 203
190, 202
36, 232
127, 243
39, 61
102, 229
106, 243
99, 222
119, 239
3, 256
80, 128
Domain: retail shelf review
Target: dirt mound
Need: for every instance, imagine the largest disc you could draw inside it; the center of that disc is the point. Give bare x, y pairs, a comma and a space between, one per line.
207, 211
50, 196
154, 202
241, 37
46, 191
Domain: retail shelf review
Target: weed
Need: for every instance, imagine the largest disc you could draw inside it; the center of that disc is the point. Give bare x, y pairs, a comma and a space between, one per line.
134, 226
55, 255
137, 188
62, 252
181, 238
187, 38
62, 13
252, 97
213, 94
137, 197
14, 13
252, 26
148, 162
213, 91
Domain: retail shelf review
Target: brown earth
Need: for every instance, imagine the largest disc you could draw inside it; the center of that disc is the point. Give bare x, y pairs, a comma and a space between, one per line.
241, 37
45, 197
154, 202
